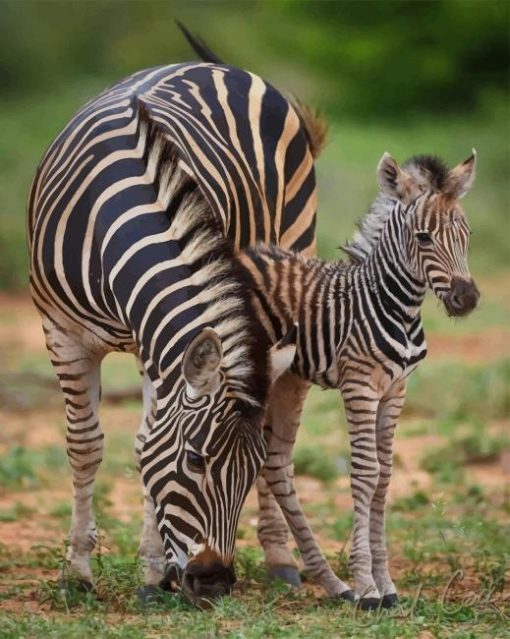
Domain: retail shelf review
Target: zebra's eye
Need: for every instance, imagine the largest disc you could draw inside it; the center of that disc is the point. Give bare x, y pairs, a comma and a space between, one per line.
424, 238
196, 462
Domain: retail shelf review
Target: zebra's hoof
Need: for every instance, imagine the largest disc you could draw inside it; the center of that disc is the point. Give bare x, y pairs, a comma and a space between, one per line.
347, 595
287, 574
173, 577
388, 601
369, 603
149, 595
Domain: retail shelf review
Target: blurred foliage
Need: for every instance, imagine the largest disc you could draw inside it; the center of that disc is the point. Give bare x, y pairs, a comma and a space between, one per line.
408, 77
372, 57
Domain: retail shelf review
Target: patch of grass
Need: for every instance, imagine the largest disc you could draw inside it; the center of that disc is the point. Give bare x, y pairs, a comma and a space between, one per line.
456, 391
413, 502
18, 511
313, 461
22, 467
472, 448
16, 468
62, 510
341, 528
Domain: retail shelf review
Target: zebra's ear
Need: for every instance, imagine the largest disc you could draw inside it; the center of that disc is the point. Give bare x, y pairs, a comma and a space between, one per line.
460, 179
201, 363
394, 181
283, 352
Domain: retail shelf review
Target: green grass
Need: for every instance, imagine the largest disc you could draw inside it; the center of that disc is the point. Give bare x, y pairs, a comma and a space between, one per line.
313, 461
437, 597
451, 391
26, 468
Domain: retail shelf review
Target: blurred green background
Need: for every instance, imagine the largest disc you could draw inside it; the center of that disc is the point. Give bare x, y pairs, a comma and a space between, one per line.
406, 77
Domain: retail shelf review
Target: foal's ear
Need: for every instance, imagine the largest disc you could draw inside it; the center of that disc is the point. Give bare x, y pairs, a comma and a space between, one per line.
460, 179
395, 182
201, 363
283, 352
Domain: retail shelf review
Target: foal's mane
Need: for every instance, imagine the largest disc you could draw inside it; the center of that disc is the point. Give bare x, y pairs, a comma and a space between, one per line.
428, 170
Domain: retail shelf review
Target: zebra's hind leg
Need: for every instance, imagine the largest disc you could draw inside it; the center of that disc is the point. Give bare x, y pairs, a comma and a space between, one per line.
151, 551
285, 406
388, 413
78, 371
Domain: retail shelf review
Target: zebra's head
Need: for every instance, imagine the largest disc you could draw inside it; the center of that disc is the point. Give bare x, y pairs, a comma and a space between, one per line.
437, 231
200, 468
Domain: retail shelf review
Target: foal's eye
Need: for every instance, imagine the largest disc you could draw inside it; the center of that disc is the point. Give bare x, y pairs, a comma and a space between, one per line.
424, 238
195, 461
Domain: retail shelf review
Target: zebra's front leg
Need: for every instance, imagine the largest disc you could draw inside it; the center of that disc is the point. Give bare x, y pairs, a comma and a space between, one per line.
387, 416
361, 403
78, 372
278, 472
151, 551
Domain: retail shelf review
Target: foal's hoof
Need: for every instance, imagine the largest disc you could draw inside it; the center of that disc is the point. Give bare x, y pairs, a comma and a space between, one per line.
388, 601
287, 574
369, 603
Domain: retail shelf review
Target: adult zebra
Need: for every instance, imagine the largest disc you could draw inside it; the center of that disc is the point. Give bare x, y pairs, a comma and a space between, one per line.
129, 215
360, 330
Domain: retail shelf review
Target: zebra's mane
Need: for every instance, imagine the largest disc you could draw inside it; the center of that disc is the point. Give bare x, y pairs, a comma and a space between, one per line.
428, 171
211, 257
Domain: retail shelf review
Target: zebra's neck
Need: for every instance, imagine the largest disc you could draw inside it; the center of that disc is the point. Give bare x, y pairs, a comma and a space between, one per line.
388, 271
330, 301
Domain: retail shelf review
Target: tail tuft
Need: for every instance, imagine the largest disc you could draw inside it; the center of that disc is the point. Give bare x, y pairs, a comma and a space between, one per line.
315, 125
199, 46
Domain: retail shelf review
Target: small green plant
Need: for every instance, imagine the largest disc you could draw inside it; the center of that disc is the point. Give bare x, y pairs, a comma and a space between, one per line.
17, 468
312, 461
18, 511
413, 502
472, 448
250, 565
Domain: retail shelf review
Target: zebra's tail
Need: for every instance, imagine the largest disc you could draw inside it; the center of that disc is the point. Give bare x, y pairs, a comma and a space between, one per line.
314, 124
199, 46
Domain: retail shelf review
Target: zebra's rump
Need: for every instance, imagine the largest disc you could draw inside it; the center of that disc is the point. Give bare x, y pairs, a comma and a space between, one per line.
242, 141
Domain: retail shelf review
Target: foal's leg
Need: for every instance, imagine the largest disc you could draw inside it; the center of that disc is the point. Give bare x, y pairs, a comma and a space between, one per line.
361, 402
151, 550
278, 472
78, 372
387, 416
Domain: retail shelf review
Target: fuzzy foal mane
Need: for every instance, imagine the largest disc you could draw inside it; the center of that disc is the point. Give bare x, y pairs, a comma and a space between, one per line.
428, 170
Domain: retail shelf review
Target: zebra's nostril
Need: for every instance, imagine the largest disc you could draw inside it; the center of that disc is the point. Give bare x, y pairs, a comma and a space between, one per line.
462, 298
456, 300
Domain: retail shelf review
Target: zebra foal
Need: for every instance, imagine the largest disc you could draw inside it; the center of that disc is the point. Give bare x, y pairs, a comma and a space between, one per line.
359, 329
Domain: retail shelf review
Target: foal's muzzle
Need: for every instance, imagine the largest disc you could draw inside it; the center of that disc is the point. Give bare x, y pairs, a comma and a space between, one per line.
462, 297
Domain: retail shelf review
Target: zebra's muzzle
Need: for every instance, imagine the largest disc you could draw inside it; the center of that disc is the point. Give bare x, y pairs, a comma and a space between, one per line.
203, 584
462, 297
